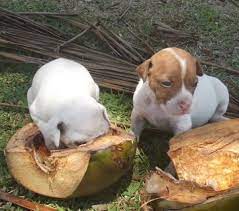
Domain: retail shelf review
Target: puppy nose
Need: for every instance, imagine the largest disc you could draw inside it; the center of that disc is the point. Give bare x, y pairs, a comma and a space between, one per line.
184, 105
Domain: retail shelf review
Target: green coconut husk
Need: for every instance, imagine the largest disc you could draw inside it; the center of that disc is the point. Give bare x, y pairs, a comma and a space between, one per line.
66, 173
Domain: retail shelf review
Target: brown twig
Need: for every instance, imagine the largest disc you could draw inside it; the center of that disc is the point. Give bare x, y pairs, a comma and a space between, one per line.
7, 105
72, 39
138, 178
169, 30
48, 13
148, 47
24, 202
113, 5
234, 86
151, 200
122, 45
228, 69
126, 10
232, 115
234, 3
21, 58
31, 25
120, 124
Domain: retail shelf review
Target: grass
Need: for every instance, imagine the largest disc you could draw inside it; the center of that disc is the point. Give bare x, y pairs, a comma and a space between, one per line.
217, 27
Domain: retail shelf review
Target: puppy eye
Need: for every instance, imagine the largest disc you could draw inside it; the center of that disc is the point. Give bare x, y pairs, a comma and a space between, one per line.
195, 83
166, 84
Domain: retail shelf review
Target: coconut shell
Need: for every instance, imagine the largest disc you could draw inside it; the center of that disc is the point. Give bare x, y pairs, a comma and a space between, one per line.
65, 173
208, 155
164, 192
206, 161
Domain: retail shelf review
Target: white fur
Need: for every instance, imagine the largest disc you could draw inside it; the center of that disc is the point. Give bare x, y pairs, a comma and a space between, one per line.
182, 95
209, 103
63, 91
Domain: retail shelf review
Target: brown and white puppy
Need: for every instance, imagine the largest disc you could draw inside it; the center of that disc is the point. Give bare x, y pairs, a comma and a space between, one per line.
174, 95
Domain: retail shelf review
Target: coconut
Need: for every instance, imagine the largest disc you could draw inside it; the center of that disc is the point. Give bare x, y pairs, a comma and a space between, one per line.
66, 173
206, 163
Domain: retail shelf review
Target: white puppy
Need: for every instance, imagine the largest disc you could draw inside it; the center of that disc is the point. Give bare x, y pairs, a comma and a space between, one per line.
174, 95
63, 103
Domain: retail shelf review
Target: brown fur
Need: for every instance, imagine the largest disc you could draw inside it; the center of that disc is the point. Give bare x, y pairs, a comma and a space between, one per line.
164, 66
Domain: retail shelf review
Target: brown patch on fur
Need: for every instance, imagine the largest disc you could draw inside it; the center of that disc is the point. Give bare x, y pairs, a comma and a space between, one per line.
164, 66
199, 70
193, 69
143, 69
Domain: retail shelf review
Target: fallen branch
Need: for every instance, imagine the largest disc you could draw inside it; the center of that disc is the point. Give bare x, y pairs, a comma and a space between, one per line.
25, 23
107, 70
162, 27
126, 10
22, 58
72, 39
120, 47
120, 124
228, 69
24, 202
147, 202
7, 105
18, 33
147, 46
48, 13
232, 115
234, 3
113, 5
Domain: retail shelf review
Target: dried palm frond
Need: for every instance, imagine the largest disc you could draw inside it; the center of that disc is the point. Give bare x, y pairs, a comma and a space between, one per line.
20, 37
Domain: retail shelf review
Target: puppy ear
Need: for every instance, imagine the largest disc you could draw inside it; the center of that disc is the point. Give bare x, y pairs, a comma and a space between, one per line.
56, 135
51, 132
105, 115
199, 70
60, 126
143, 69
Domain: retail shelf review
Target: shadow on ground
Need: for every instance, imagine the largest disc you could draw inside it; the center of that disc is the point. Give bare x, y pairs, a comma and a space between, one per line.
155, 146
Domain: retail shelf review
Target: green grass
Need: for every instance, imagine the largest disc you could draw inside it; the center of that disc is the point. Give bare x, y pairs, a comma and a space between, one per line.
118, 105
217, 27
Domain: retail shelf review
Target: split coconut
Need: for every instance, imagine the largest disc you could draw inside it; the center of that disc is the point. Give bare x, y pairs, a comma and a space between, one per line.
206, 161
66, 173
